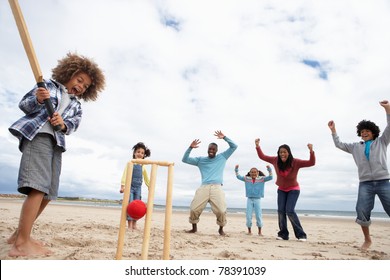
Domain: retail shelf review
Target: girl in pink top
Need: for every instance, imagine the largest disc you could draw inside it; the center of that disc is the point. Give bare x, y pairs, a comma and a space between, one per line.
286, 169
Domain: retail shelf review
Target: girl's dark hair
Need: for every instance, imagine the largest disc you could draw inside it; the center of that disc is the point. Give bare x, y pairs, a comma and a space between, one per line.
369, 125
141, 145
260, 173
72, 64
288, 163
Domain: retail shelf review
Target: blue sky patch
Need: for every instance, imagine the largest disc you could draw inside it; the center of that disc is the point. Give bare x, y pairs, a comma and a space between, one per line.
171, 22
318, 66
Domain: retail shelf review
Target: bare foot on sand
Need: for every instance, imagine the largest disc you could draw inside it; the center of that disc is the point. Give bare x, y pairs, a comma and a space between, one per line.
28, 248
221, 232
366, 245
12, 240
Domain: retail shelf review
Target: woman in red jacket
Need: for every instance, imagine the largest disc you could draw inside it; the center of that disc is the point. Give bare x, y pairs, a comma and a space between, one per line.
286, 169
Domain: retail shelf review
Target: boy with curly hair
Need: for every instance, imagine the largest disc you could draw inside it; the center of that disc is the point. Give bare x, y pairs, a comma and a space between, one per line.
370, 156
75, 77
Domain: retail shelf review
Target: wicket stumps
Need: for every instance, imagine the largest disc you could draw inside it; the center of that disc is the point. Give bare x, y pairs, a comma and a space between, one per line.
149, 211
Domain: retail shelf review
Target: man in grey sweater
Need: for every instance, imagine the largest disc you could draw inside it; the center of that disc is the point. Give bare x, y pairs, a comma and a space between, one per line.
370, 156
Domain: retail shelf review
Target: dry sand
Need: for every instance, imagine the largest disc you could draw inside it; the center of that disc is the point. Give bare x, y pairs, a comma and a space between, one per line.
91, 233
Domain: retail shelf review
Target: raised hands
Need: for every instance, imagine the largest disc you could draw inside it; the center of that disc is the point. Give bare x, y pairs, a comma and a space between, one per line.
195, 144
332, 127
385, 104
219, 134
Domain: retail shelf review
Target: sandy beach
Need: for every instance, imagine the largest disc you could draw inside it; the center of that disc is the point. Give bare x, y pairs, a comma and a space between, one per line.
91, 233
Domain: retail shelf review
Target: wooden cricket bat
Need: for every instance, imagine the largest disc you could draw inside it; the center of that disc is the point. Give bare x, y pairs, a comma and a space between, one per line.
32, 58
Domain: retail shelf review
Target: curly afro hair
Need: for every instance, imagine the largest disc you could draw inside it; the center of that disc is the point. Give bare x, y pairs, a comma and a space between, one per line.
369, 125
73, 63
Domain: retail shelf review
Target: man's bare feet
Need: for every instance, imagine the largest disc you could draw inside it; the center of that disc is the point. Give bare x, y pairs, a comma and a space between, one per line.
193, 230
28, 248
249, 231
221, 232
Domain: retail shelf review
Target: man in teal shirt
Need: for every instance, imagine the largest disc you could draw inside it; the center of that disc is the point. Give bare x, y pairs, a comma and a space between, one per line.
211, 169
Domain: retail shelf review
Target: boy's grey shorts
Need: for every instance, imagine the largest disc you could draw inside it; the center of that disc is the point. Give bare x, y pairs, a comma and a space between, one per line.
40, 166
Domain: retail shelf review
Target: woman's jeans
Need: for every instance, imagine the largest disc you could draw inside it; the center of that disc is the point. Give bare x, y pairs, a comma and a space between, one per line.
366, 199
286, 208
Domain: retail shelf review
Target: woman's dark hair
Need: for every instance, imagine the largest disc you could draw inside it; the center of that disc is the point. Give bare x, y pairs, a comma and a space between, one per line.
288, 163
369, 125
141, 145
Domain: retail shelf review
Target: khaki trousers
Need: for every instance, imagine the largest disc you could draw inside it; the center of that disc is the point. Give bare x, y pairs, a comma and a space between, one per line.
212, 194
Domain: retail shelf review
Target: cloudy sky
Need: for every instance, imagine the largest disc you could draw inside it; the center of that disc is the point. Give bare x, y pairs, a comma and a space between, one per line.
179, 70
